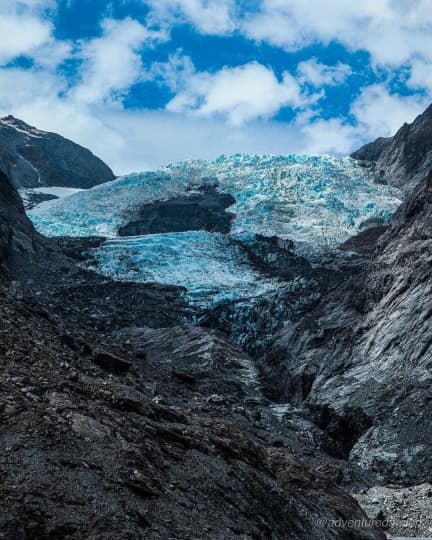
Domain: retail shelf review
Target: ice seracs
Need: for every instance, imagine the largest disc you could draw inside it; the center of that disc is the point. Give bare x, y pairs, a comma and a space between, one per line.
316, 201
210, 266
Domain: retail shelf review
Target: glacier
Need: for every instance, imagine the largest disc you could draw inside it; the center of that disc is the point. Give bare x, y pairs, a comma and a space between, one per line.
313, 200
211, 267
316, 201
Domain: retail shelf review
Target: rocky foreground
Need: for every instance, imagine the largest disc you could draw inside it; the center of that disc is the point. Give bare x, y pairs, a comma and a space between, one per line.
110, 430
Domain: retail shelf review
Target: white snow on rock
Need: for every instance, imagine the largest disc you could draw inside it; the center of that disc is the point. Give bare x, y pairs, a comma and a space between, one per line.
58, 192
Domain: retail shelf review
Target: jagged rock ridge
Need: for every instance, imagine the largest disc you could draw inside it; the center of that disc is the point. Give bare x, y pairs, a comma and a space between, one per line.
405, 159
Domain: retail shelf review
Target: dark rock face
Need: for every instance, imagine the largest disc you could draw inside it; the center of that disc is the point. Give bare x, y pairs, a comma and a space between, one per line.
67, 292
372, 151
277, 258
405, 159
34, 158
91, 456
17, 237
204, 210
365, 242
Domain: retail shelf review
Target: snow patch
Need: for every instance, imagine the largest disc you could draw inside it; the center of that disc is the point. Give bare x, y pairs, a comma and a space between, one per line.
27, 194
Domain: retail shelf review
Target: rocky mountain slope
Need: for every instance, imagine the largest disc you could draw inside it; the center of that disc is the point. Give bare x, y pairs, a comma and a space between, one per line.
33, 158
405, 159
118, 421
18, 239
359, 361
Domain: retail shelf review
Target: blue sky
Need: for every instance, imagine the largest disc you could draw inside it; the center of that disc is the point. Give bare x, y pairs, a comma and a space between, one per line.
145, 82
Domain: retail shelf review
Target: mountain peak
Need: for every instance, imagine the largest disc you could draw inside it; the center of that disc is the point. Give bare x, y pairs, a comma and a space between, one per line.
12, 120
405, 159
35, 158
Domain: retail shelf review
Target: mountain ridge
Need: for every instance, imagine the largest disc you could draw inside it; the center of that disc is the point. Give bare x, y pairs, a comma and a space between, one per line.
404, 159
34, 158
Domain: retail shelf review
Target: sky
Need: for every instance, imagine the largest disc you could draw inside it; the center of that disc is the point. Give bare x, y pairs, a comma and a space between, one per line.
146, 82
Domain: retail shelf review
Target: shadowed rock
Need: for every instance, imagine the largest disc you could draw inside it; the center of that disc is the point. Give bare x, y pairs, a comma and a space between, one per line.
366, 346
205, 210
18, 239
372, 151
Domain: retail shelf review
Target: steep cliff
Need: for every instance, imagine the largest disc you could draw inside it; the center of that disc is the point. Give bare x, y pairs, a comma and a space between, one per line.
405, 159
360, 361
18, 239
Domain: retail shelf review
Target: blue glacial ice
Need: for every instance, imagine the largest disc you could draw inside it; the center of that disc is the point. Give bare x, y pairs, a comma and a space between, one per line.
313, 200
210, 266
316, 201
101, 211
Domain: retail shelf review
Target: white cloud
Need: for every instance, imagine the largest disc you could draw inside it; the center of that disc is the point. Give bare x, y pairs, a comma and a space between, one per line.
208, 16
316, 74
26, 30
241, 94
175, 73
376, 112
18, 86
112, 63
393, 31
381, 113
130, 141
333, 136
421, 75
154, 138
21, 35
136, 140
